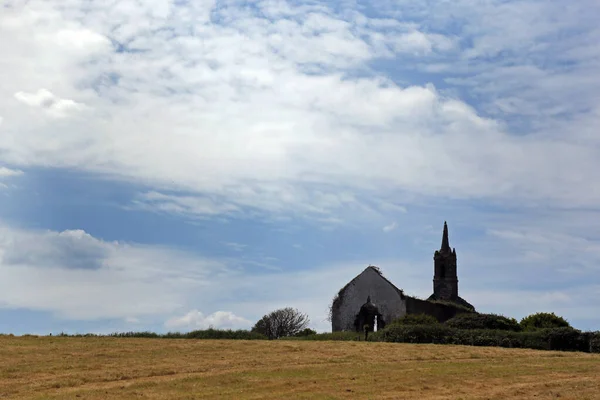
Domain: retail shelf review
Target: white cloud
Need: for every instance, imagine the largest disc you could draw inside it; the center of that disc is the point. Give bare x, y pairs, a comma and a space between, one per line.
275, 199
188, 205
390, 227
54, 106
218, 320
236, 246
7, 172
420, 43
74, 249
572, 252
81, 40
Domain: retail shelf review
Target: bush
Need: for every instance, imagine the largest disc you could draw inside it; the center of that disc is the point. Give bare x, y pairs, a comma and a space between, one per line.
416, 319
306, 332
594, 342
483, 321
565, 339
543, 321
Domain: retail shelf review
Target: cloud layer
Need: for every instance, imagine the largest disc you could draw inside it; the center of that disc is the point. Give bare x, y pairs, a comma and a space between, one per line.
286, 107
76, 276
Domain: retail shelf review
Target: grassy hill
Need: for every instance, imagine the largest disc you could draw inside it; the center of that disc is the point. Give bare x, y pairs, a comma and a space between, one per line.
129, 368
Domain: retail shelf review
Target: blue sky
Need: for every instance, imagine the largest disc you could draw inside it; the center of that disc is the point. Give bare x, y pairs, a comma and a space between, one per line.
172, 165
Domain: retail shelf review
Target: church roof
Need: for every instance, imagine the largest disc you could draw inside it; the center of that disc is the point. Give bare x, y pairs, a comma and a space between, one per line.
378, 271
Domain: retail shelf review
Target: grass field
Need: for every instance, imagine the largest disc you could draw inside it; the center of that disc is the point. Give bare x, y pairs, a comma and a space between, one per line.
111, 368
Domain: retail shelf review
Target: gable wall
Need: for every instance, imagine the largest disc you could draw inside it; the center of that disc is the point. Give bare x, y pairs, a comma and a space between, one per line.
369, 283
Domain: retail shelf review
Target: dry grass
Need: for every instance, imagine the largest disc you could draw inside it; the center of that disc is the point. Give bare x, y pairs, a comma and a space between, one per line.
110, 368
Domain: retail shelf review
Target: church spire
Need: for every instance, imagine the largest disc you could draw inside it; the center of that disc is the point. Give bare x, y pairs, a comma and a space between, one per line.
445, 241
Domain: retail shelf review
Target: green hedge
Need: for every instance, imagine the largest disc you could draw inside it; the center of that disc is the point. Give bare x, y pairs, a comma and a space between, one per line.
346, 336
416, 319
225, 334
545, 339
483, 321
414, 334
198, 334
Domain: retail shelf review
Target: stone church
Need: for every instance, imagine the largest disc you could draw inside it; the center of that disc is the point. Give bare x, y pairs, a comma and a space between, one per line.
371, 299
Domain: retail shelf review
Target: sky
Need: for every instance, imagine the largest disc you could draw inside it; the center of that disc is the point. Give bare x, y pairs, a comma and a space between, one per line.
171, 165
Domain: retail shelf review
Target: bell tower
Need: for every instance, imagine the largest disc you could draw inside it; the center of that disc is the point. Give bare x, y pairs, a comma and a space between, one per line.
445, 279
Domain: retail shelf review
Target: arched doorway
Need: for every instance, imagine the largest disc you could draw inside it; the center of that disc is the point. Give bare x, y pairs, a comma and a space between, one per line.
368, 315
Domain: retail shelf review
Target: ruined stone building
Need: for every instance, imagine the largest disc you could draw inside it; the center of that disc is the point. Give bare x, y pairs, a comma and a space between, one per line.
371, 299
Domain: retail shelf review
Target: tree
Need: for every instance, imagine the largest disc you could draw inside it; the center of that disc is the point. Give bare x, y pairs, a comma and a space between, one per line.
543, 320
281, 323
